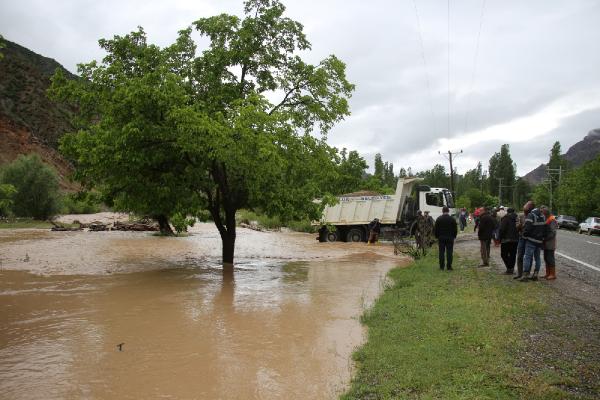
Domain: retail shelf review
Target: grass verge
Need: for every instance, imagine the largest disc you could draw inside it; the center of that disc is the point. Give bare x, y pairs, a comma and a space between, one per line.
451, 335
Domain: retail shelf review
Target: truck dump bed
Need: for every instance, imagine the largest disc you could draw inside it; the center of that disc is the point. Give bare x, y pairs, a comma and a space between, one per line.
360, 210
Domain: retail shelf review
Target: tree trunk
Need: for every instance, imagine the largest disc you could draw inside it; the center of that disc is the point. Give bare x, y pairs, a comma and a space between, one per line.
228, 239
163, 224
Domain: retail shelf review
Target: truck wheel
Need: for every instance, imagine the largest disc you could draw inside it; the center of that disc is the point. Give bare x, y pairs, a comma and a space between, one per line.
354, 235
331, 237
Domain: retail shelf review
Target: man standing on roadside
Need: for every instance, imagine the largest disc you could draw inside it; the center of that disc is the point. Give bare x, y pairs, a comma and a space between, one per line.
509, 239
487, 224
445, 231
462, 217
429, 223
533, 233
550, 244
521, 245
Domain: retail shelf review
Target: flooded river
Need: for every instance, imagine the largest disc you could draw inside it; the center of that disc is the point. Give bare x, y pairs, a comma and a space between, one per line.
284, 327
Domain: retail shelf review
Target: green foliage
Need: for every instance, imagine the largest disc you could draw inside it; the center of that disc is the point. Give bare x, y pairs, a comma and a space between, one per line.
502, 169
84, 202
579, 191
7, 193
169, 130
36, 186
474, 198
263, 220
2, 45
541, 194
181, 223
472, 179
351, 170
302, 226
202, 216
435, 177
522, 193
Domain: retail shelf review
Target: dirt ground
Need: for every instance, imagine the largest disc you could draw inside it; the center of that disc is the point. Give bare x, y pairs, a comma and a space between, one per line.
564, 340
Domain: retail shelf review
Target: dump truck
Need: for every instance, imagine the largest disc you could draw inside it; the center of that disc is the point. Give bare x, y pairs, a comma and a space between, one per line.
349, 218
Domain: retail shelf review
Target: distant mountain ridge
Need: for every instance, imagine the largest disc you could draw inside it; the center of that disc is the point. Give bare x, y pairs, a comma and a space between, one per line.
29, 121
581, 152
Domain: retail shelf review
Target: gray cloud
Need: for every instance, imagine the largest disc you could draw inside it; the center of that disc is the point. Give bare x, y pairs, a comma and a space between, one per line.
531, 55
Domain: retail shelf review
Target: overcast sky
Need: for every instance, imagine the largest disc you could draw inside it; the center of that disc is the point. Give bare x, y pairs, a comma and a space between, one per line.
535, 78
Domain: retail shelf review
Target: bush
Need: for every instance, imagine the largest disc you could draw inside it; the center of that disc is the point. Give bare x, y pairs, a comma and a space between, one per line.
7, 193
181, 223
81, 203
263, 220
36, 187
302, 226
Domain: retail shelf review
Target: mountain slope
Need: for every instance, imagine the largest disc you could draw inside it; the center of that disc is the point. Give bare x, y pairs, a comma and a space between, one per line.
582, 151
29, 121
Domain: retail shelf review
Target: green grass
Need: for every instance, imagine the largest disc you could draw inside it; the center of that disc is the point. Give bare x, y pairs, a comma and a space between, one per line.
449, 335
24, 223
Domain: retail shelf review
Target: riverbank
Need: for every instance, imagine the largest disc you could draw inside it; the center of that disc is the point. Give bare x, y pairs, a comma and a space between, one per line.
473, 334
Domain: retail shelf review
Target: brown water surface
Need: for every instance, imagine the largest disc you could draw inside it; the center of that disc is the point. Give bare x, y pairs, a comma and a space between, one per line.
280, 329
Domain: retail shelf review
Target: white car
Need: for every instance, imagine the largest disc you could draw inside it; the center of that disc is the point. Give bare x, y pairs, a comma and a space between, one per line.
590, 225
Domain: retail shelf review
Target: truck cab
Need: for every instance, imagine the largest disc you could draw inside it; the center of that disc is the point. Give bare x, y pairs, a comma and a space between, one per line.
433, 199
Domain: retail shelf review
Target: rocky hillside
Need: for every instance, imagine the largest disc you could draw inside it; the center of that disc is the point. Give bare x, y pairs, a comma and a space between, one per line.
582, 151
29, 121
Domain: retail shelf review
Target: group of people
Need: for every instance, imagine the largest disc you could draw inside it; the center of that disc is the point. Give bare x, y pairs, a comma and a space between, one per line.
521, 237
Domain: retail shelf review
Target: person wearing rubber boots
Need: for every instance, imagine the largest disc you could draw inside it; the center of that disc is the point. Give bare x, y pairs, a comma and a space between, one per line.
550, 244
374, 230
534, 233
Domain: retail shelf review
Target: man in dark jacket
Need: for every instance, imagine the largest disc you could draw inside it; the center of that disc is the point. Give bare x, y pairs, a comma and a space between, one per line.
521, 245
509, 238
487, 224
534, 233
445, 230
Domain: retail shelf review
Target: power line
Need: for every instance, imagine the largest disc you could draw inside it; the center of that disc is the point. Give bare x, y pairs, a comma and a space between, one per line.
475, 57
449, 156
448, 68
421, 41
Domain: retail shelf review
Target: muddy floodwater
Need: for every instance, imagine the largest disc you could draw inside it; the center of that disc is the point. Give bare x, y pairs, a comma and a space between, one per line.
283, 328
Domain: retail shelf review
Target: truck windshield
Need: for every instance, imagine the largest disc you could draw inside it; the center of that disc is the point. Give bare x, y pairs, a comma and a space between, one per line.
449, 199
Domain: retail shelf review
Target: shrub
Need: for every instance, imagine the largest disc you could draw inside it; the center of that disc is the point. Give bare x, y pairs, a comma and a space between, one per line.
181, 223
7, 193
36, 187
302, 226
81, 203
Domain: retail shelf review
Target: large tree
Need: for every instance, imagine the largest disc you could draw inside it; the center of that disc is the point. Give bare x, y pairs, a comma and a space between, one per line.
502, 175
435, 177
351, 171
225, 129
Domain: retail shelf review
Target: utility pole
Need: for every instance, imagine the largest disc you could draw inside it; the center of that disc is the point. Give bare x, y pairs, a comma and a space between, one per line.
449, 156
500, 190
500, 186
554, 175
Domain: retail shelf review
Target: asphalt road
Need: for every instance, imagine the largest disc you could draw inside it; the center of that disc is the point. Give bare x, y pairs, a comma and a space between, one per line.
578, 255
